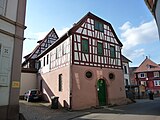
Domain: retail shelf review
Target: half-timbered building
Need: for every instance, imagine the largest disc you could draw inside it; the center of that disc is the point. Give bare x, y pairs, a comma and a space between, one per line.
83, 67
147, 76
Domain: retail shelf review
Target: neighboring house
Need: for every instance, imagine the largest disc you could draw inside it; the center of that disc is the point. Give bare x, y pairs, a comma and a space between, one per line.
125, 62
154, 6
147, 76
29, 66
132, 75
83, 67
130, 85
12, 20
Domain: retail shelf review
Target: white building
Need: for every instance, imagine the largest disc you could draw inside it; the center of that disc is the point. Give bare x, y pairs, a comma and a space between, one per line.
125, 62
12, 17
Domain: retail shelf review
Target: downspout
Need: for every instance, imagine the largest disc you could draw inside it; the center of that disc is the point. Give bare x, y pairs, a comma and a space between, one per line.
70, 73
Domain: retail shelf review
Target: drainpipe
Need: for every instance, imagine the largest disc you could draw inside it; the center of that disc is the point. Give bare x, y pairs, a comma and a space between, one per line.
70, 73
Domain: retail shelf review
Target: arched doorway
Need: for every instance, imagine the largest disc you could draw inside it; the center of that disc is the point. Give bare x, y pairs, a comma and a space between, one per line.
101, 89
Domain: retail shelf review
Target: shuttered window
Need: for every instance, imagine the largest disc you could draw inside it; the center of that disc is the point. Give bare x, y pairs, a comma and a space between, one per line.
100, 48
85, 46
112, 52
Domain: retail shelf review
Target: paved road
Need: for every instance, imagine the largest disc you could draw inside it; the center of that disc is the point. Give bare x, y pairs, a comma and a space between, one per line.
142, 110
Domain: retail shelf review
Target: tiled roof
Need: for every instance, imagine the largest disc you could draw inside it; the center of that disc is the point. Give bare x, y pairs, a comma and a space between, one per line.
147, 65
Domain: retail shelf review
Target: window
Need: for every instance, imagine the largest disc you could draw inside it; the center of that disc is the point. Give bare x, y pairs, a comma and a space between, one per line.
156, 74
2, 6
111, 76
143, 83
60, 82
88, 74
125, 69
112, 52
47, 59
44, 61
98, 26
100, 48
85, 46
141, 75
56, 53
157, 83
38, 64
127, 82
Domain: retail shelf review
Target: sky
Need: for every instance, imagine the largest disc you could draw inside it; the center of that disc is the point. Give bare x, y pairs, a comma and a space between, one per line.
132, 21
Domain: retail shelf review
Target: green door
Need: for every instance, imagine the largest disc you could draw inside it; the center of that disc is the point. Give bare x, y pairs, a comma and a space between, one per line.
101, 89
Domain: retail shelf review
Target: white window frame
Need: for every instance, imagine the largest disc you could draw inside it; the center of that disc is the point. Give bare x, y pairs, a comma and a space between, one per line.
144, 83
140, 75
156, 74
156, 82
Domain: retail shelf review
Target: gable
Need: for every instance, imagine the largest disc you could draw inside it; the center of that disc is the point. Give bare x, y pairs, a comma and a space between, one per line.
147, 65
88, 26
44, 44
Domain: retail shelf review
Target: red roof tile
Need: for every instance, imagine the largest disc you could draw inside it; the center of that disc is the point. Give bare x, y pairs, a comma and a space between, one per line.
147, 65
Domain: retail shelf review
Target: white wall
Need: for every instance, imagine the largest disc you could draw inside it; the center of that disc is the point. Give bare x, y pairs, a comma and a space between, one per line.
5, 67
28, 81
126, 76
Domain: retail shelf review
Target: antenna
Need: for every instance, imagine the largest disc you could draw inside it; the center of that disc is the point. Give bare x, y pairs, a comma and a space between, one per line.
31, 38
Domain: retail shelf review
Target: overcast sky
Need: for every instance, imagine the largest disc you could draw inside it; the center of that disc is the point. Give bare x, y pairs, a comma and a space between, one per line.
131, 20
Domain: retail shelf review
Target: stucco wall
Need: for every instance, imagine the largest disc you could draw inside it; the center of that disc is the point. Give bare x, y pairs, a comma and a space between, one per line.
84, 91
50, 85
28, 81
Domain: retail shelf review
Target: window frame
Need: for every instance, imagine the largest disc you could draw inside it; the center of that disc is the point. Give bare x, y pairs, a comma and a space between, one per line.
125, 69
156, 82
144, 83
44, 61
98, 49
98, 26
156, 74
60, 83
47, 59
126, 82
84, 48
112, 53
142, 75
